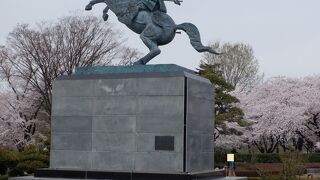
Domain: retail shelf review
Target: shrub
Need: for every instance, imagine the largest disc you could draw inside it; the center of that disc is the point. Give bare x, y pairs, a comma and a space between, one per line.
32, 158
268, 158
243, 157
5, 177
30, 166
314, 158
17, 163
268, 175
8, 159
220, 156
35, 157
258, 158
3, 169
292, 165
15, 172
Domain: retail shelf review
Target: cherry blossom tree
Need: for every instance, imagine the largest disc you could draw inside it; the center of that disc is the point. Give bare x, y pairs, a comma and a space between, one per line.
284, 112
19, 108
236, 139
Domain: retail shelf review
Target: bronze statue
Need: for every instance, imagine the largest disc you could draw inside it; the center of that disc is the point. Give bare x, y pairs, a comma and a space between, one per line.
149, 18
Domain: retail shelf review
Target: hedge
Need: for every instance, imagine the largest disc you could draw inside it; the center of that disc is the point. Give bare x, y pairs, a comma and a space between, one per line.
16, 163
220, 158
8, 159
314, 158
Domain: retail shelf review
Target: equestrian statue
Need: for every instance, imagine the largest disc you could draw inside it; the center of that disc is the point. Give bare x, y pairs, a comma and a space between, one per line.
149, 18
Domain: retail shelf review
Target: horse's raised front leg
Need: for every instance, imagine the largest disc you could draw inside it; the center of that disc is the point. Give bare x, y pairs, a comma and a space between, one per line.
154, 50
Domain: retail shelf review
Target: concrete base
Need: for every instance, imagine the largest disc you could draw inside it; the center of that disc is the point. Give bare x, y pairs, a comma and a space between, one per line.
133, 122
118, 175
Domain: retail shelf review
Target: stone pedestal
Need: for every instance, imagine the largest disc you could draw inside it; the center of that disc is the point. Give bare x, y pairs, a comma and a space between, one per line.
159, 122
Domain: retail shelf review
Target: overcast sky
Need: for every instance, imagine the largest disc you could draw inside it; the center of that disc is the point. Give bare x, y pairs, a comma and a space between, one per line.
285, 34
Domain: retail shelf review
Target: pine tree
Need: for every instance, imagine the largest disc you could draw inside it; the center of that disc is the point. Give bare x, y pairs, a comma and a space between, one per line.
225, 109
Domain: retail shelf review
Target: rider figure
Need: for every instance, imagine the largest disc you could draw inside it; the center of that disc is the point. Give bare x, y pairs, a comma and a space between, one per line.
149, 5
152, 5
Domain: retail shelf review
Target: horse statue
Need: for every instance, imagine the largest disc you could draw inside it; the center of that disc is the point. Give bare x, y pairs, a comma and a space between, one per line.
149, 18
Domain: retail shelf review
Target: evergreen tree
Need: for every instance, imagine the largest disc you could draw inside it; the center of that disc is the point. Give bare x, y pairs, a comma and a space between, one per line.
225, 110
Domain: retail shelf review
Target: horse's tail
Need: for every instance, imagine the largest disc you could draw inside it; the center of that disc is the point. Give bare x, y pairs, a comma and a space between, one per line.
195, 39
